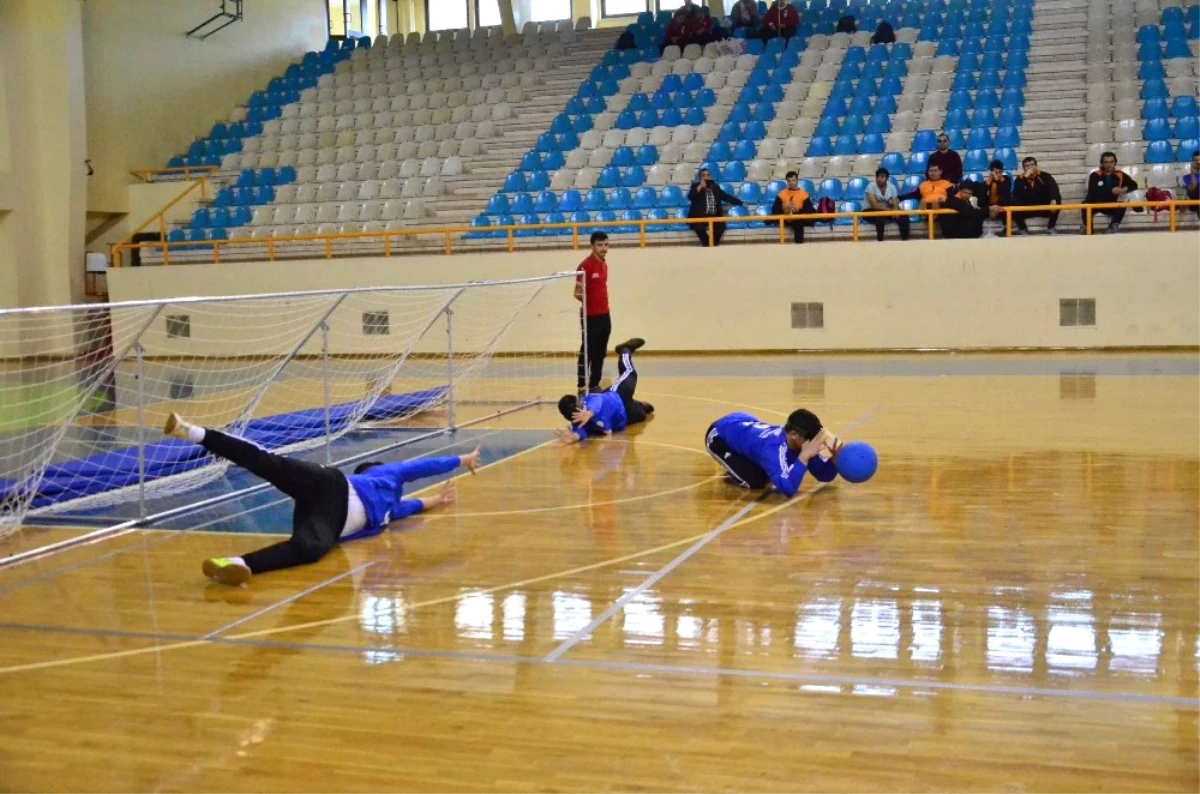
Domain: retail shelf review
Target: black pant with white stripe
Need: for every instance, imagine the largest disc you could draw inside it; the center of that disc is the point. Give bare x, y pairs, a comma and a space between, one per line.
625, 386
321, 494
740, 469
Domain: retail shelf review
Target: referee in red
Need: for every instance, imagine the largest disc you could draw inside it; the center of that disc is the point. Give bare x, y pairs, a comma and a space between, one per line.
595, 322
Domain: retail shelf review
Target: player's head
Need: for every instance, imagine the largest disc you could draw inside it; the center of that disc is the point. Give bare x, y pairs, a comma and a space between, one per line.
881, 178
793, 180
997, 169
599, 241
934, 173
362, 467
802, 425
568, 405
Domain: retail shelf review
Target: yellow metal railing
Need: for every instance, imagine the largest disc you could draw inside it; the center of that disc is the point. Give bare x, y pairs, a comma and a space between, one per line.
513, 233
147, 174
161, 215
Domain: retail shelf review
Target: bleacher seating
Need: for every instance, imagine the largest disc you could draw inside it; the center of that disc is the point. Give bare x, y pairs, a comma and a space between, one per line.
618, 135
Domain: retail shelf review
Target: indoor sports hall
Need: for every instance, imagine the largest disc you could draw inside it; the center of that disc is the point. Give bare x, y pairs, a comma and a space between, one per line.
348, 231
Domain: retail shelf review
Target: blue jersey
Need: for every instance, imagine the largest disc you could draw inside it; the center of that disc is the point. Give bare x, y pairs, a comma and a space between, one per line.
609, 415
381, 490
766, 445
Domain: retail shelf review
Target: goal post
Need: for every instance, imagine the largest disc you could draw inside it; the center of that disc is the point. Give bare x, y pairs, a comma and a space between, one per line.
84, 390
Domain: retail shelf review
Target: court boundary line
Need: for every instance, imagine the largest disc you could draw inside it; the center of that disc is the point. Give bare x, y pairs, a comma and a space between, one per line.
800, 678
649, 581
295, 597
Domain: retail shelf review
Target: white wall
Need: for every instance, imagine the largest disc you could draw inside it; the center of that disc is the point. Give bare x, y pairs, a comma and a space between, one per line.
920, 294
151, 90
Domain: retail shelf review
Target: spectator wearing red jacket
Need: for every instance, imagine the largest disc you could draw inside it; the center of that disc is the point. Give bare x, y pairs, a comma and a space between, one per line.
782, 19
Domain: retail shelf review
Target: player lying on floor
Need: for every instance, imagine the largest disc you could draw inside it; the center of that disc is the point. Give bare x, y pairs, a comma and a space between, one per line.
331, 507
606, 412
755, 454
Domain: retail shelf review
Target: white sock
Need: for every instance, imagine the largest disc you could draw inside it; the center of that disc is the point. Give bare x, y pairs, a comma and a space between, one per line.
234, 560
195, 434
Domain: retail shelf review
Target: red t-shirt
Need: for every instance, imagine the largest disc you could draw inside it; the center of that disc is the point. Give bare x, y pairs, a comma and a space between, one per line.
596, 272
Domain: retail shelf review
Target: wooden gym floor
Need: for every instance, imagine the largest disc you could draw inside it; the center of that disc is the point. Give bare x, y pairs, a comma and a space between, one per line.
1012, 604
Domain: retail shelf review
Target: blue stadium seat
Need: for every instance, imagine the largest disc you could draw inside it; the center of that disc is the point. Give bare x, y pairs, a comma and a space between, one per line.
514, 182
531, 161
528, 219
1015, 78
886, 103
853, 125
561, 123
975, 160
498, 205
546, 142
856, 188
912, 182
671, 196
580, 216
622, 157
693, 82
570, 201
1148, 33
879, 123
958, 138
479, 222
1184, 106
956, 119
872, 143
547, 201
645, 198
734, 171
819, 146
744, 150
986, 98
522, 204
1154, 89
595, 199
828, 127
538, 180
658, 214
627, 120
720, 150
648, 118
1008, 136
860, 106
982, 117
1159, 151
1012, 96
620, 199
959, 101
841, 89
609, 177
893, 162
1187, 127
1007, 156
553, 161
845, 144
771, 93
967, 63
750, 193
1177, 48
1157, 130
924, 141
1010, 115
1184, 153
242, 216
634, 176
979, 137
918, 162
1151, 70
555, 217
200, 218
830, 188
647, 155
672, 83
834, 108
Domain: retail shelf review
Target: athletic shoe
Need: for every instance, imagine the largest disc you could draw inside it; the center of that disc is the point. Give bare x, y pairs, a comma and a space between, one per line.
226, 571
631, 344
648, 408
1020, 232
1113, 228
175, 427
1052, 232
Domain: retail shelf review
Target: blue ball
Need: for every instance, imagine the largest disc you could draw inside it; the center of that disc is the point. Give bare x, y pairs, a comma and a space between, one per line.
857, 461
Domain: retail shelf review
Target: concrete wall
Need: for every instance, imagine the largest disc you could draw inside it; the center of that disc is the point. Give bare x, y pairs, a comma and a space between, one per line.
920, 294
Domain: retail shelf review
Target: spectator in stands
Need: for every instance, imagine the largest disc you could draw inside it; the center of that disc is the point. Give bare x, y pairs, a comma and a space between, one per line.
967, 221
931, 193
847, 24
707, 201
679, 30
947, 160
745, 15
704, 31
1191, 182
793, 200
884, 33
782, 19
997, 189
1106, 185
883, 196
1035, 188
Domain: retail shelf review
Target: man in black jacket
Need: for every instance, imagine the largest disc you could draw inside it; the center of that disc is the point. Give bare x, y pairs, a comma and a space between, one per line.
707, 201
1035, 188
967, 221
1106, 185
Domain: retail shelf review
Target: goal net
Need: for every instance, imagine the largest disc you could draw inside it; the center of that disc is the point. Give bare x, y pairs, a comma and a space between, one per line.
85, 390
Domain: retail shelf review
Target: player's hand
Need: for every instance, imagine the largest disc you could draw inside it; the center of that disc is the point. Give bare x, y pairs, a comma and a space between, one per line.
447, 496
810, 448
582, 416
834, 445
566, 437
471, 460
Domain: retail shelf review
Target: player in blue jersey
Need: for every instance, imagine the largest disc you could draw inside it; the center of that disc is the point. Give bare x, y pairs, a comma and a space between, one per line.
331, 507
755, 454
607, 412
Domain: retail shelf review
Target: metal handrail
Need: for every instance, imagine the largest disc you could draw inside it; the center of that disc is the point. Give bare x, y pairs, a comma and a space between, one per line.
511, 231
